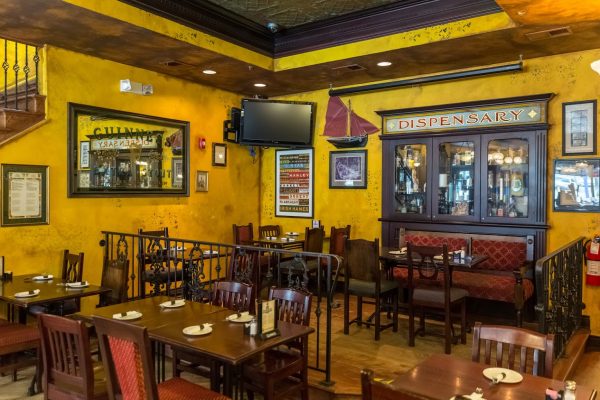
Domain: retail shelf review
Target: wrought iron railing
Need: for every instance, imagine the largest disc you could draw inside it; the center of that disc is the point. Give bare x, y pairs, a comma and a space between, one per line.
20, 62
559, 280
190, 268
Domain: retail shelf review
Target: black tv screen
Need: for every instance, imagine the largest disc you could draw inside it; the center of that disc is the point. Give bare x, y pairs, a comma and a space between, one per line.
277, 123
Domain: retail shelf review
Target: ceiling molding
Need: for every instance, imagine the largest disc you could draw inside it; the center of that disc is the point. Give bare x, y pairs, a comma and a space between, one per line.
400, 16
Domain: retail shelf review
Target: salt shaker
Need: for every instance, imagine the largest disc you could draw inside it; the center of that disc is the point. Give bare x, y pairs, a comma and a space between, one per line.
253, 327
570, 387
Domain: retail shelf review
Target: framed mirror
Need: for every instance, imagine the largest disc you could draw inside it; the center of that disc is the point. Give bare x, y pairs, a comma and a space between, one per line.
577, 185
115, 153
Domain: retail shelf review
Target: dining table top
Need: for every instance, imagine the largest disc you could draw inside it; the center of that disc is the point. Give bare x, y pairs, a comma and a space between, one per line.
288, 239
50, 290
399, 256
442, 376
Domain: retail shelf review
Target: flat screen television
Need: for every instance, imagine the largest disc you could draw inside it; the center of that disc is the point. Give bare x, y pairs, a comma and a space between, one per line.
277, 123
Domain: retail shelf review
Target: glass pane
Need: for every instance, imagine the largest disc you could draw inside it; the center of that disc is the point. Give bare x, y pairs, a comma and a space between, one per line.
456, 194
411, 179
507, 178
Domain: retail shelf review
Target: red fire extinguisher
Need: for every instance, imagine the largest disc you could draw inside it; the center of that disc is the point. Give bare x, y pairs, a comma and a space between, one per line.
592, 254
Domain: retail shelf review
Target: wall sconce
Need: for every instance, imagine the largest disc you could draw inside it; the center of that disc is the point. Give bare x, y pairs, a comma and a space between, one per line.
129, 86
202, 143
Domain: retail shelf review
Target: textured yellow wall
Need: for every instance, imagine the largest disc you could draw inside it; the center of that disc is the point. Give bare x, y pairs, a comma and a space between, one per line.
75, 223
568, 76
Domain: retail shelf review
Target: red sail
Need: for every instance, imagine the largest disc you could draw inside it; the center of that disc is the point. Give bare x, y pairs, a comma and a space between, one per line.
336, 119
360, 126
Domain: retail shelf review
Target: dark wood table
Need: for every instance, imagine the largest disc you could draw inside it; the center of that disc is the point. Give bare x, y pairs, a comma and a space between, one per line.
51, 291
227, 345
464, 264
442, 376
281, 242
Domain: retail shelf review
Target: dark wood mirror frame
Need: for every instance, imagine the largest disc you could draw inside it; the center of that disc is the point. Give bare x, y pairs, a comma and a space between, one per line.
114, 153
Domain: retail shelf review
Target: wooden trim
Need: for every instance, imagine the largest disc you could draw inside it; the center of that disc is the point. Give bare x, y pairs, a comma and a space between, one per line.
361, 25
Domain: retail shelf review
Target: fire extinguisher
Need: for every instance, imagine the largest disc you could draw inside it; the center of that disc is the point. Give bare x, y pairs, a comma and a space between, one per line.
592, 255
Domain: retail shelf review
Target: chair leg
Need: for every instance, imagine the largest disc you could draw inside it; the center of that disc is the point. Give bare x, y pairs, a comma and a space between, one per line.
463, 322
447, 332
359, 304
176, 372
411, 326
422, 322
346, 313
377, 317
395, 312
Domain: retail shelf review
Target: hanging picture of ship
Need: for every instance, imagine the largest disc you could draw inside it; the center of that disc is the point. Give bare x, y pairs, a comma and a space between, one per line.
343, 127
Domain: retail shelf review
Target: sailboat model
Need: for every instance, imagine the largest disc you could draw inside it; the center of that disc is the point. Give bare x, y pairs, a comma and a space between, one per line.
345, 128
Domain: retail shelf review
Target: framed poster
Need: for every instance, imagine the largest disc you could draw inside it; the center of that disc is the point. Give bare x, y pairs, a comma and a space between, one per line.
576, 183
201, 181
84, 154
294, 172
24, 194
219, 154
579, 128
177, 172
348, 169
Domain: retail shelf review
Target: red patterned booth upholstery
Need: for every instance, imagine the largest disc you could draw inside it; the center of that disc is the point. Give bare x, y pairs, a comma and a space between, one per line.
501, 277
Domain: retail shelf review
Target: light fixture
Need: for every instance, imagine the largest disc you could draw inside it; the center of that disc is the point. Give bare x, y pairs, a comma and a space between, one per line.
260, 85
129, 86
595, 65
209, 71
384, 64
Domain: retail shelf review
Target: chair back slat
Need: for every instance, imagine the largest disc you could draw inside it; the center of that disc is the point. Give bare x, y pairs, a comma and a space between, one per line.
269, 230
313, 239
293, 305
362, 260
233, 295
337, 240
115, 275
530, 346
243, 234
66, 356
72, 270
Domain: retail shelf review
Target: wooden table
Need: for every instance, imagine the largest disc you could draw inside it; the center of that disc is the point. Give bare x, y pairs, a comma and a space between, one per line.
442, 376
50, 291
281, 242
227, 344
464, 264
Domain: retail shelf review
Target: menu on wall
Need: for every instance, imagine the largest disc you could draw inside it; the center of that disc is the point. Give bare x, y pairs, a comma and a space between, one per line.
25, 195
294, 186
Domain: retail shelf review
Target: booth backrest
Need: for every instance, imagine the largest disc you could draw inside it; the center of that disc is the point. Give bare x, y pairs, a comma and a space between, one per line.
431, 239
502, 255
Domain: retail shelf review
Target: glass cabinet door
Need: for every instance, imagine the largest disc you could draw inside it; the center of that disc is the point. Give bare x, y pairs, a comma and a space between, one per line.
410, 181
456, 178
508, 177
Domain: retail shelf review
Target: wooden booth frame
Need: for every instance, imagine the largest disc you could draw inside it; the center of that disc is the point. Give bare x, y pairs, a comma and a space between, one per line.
294, 183
24, 194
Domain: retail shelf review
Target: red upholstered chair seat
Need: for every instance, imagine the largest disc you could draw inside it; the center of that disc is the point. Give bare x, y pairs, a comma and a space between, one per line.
180, 389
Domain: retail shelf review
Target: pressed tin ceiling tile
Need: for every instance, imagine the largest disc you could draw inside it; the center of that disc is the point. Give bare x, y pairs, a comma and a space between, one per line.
290, 13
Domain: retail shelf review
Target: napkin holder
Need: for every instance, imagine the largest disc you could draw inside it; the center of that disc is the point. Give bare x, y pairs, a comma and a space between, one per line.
266, 318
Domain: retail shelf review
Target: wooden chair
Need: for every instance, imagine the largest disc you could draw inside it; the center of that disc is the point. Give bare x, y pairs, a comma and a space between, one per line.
151, 251
69, 372
243, 234
235, 296
363, 277
14, 340
129, 367
72, 271
431, 289
337, 243
269, 230
532, 348
280, 371
115, 276
374, 388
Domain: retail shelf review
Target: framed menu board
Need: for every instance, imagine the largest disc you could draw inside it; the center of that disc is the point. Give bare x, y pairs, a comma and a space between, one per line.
294, 172
24, 194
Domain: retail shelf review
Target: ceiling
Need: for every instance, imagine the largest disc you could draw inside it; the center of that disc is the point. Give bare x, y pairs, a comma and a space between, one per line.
318, 44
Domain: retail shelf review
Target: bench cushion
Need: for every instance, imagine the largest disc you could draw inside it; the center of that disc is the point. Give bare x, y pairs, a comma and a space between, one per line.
502, 256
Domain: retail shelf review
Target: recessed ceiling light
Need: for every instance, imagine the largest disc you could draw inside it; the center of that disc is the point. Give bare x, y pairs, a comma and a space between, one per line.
260, 85
384, 64
209, 72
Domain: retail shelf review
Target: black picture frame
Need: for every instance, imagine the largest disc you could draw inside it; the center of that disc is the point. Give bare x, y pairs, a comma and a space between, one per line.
201, 181
348, 169
579, 128
24, 195
576, 185
102, 139
219, 154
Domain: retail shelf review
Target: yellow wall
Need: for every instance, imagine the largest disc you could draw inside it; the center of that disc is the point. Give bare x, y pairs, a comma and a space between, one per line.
75, 223
569, 76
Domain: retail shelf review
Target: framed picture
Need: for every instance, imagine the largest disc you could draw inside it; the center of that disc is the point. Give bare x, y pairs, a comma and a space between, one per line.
201, 181
84, 154
24, 194
219, 154
576, 183
294, 172
579, 128
348, 169
177, 172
